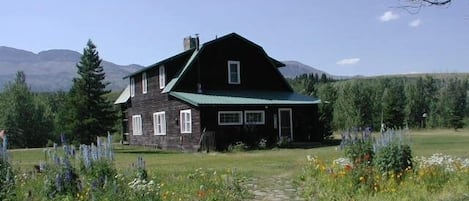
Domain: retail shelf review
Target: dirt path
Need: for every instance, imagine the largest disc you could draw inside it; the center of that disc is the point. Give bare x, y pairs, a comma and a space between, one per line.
277, 188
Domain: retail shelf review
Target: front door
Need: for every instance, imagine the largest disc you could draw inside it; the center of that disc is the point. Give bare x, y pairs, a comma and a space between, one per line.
285, 123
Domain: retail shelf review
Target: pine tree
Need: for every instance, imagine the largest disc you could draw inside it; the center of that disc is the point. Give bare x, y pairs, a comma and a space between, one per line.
394, 104
88, 113
457, 103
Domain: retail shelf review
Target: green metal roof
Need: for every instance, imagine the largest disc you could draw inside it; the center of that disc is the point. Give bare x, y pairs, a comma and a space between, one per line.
175, 80
124, 97
244, 98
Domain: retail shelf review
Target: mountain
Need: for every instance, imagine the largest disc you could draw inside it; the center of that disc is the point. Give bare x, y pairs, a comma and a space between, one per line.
295, 68
54, 70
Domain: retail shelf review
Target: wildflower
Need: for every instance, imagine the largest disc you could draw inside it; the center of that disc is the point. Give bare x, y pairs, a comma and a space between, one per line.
362, 179
348, 168
201, 193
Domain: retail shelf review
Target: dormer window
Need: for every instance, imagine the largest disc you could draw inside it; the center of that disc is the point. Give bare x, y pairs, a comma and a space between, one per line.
234, 76
144, 83
162, 77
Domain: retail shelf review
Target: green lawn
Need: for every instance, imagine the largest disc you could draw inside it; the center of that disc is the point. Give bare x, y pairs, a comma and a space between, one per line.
261, 163
171, 167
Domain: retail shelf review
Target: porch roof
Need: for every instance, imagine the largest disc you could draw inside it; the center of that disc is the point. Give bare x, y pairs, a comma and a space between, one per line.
244, 98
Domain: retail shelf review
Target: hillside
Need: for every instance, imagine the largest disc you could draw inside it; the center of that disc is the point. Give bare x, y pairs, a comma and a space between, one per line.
293, 69
54, 70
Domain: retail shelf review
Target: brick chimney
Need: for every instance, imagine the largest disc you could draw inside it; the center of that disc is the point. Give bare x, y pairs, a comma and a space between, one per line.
190, 42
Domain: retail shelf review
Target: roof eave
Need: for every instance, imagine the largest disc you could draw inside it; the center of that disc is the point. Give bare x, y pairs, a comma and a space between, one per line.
159, 63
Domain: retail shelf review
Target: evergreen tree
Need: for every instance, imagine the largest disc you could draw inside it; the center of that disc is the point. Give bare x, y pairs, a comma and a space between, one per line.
327, 94
394, 104
24, 116
430, 94
88, 113
457, 93
416, 105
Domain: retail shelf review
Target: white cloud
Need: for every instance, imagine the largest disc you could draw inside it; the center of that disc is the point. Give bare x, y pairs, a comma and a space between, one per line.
388, 16
415, 23
349, 61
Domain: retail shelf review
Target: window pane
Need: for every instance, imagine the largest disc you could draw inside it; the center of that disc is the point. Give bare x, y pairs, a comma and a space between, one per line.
132, 87
233, 72
254, 117
162, 77
186, 123
144, 82
137, 125
230, 118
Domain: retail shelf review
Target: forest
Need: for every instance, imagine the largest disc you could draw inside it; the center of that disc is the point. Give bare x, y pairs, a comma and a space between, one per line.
32, 119
426, 101
413, 101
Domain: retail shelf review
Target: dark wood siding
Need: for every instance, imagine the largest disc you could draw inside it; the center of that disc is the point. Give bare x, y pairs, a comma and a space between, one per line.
211, 68
173, 139
304, 120
155, 101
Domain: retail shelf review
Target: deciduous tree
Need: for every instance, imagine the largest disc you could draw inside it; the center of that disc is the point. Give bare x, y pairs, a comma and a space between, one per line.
24, 115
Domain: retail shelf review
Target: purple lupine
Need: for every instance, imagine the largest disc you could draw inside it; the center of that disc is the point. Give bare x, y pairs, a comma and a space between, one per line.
68, 175
63, 140
94, 153
4, 148
86, 155
98, 147
58, 182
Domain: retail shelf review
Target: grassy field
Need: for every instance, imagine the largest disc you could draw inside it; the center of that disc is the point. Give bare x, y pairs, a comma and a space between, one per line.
260, 165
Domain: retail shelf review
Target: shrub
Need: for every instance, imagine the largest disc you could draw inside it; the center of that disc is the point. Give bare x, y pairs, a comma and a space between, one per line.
393, 154
283, 141
358, 146
237, 147
262, 144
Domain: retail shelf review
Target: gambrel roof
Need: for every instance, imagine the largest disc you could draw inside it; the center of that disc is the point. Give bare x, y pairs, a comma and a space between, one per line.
227, 97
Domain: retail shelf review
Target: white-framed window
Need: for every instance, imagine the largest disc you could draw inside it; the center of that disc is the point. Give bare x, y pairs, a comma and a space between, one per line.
234, 76
137, 125
132, 87
230, 118
185, 121
159, 123
162, 77
256, 117
144, 83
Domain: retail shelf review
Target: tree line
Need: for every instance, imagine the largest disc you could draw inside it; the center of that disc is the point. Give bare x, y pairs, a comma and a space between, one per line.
416, 102
80, 115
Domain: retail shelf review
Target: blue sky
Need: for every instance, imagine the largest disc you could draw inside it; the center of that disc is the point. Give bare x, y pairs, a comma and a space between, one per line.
360, 37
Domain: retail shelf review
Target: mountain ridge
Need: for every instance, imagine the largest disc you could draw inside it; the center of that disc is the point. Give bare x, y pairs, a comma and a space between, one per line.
54, 69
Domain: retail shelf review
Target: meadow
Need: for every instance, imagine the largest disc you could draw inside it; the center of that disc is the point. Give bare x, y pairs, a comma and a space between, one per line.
184, 176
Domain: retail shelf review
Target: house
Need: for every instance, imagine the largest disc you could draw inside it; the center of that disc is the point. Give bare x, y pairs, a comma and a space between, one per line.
228, 88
